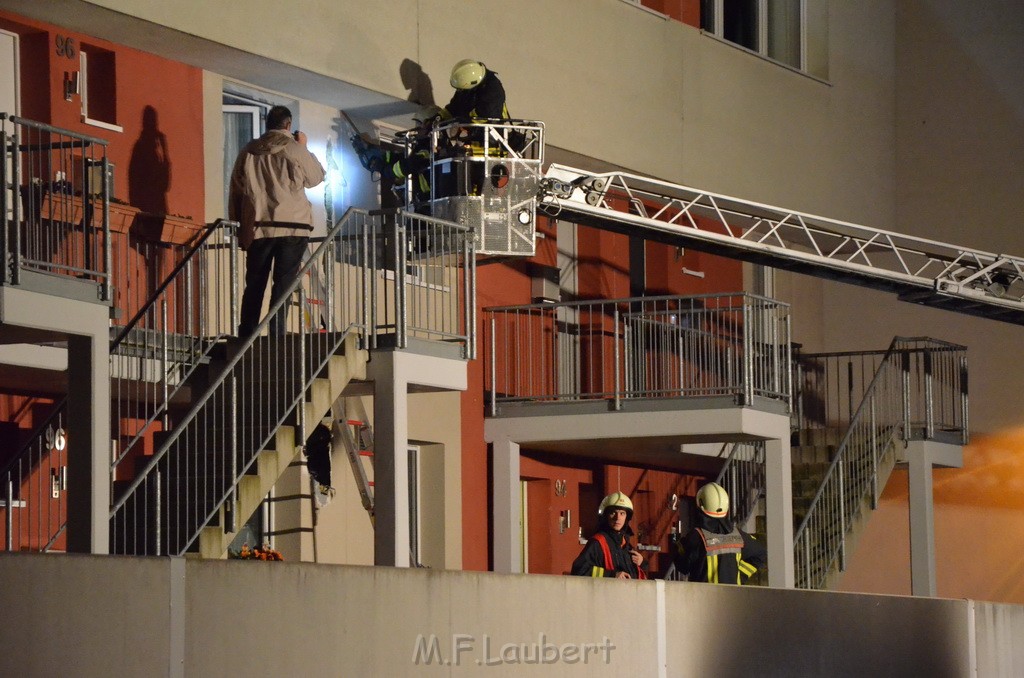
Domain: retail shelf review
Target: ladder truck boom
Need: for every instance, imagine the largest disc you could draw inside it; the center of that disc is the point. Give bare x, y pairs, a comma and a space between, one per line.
919, 270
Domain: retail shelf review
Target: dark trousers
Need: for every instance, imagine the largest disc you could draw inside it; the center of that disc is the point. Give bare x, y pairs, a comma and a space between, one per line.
284, 255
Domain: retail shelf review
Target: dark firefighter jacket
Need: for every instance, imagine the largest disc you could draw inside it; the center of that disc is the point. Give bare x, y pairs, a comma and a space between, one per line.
606, 554
486, 100
717, 553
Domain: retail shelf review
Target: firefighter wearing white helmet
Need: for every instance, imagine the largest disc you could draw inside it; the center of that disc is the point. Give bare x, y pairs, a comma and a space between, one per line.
609, 552
479, 93
715, 551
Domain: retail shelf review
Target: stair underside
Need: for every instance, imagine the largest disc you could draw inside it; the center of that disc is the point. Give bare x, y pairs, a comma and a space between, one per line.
284, 447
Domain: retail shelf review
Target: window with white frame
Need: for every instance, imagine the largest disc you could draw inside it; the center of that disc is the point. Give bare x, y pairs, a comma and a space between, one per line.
792, 32
97, 82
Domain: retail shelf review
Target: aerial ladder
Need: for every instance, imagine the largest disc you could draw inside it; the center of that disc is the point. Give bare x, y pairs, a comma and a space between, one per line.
490, 175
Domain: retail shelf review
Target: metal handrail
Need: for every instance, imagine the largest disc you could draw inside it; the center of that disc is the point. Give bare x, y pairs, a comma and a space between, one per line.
58, 412
640, 347
882, 416
50, 173
358, 247
743, 478
150, 472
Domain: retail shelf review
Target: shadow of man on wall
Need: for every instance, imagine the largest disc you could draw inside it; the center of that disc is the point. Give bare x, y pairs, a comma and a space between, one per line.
149, 170
149, 178
421, 91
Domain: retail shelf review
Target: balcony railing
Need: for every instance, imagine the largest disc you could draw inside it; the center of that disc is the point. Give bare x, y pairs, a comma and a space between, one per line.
647, 347
45, 172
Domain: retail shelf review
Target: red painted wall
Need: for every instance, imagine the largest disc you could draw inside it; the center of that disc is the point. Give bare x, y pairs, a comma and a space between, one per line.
551, 550
686, 11
158, 160
158, 157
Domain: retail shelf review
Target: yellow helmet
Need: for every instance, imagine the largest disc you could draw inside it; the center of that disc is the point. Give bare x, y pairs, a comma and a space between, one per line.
616, 500
467, 74
426, 114
713, 500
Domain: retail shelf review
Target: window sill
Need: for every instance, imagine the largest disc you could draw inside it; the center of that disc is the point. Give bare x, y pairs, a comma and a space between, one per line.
103, 125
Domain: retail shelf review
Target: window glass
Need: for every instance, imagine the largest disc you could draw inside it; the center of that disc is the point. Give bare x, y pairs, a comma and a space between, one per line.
784, 31
740, 22
98, 85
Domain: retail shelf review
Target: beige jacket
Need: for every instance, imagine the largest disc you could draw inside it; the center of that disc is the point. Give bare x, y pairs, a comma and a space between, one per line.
267, 196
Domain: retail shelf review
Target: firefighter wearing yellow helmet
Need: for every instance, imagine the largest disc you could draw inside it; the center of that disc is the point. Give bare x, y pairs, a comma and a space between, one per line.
609, 552
478, 92
716, 551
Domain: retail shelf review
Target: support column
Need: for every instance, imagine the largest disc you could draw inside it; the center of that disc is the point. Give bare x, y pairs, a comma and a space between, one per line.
89, 444
922, 526
390, 463
779, 509
508, 508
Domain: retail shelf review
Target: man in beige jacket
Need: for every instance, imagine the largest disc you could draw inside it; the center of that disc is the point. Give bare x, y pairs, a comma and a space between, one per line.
268, 199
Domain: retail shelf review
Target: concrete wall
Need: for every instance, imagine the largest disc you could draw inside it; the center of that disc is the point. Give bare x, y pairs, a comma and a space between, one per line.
960, 137
170, 617
610, 81
87, 615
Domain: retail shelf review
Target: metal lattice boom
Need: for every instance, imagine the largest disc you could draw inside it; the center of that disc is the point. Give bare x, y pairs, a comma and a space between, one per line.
919, 270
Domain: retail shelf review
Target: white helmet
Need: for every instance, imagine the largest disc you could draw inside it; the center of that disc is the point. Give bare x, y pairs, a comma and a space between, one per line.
713, 500
616, 500
467, 74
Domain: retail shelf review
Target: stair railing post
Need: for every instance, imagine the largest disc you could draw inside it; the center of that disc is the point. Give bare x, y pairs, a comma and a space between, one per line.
7, 223
329, 276
164, 340
232, 235
787, 365
108, 262
494, 370
185, 320
842, 516
9, 505
874, 454
368, 259
229, 517
929, 418
15, 247
157, 517
401, 258
748, 354
617, 358
905, 391
304, 373
964, 435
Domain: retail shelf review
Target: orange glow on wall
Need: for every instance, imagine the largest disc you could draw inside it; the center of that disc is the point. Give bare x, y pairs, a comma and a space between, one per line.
979, 527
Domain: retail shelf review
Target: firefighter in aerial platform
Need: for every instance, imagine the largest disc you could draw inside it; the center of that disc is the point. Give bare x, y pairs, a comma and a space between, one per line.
609, 552
478, 93
715, 551
397, 165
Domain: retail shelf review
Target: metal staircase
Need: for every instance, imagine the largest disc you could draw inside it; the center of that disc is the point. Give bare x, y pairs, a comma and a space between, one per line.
257, 400
151, 361
853, 412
